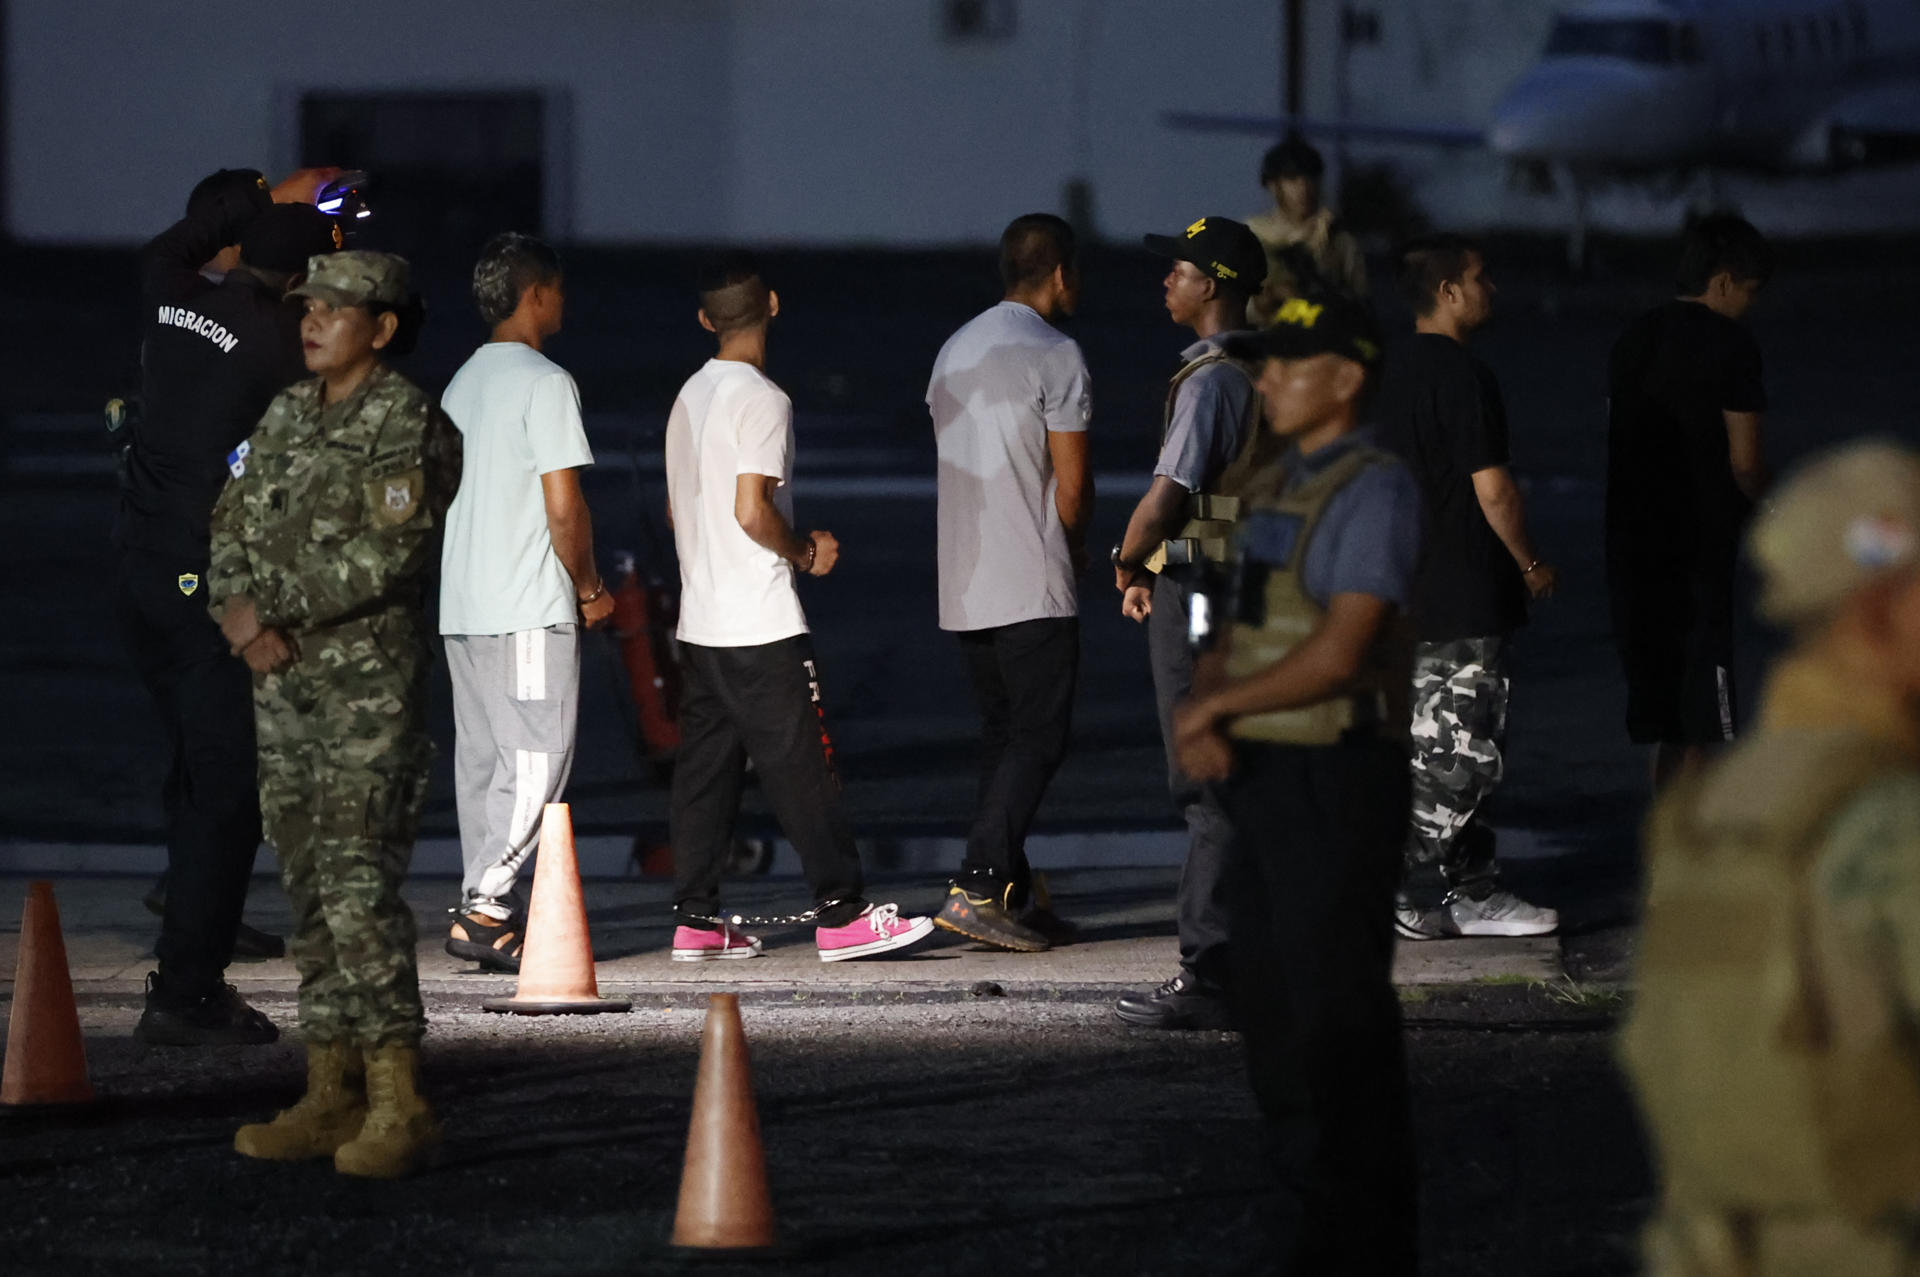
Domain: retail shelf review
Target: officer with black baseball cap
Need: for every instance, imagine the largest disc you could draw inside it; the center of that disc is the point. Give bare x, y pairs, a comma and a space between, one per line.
1211, 412
1299, 712
215, 354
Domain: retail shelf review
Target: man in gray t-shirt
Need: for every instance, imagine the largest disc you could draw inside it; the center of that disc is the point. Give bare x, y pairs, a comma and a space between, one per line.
1212, 412
1010, 405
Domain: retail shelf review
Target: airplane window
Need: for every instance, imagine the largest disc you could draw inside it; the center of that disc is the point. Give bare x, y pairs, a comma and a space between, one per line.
1647, 40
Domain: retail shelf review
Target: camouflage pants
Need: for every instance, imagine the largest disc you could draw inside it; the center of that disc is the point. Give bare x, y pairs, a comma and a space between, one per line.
1459, 727
343, 763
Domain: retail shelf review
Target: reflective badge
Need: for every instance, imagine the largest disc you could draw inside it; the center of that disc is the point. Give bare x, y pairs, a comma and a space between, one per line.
188, 582
396, 496
237, 459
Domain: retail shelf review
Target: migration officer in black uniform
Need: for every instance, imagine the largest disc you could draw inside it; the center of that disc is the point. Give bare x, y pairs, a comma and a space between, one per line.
214, 356
1301, 708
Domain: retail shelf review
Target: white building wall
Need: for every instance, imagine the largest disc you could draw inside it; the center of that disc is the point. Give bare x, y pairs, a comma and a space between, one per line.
806, 121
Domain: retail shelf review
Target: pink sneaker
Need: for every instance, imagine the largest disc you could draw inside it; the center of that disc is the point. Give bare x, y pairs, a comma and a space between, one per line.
878, 929
692, 944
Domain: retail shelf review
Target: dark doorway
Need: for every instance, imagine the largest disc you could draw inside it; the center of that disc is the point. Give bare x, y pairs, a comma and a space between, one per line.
449, 169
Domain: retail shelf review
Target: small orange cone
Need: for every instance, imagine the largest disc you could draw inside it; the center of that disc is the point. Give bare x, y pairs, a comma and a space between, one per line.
723, 1189
46, 1058
556, 963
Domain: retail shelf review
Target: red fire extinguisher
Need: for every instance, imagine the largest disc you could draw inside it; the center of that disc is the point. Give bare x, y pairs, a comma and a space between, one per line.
643, 622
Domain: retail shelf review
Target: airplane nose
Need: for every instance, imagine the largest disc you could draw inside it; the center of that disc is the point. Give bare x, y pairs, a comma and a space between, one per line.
1618, 115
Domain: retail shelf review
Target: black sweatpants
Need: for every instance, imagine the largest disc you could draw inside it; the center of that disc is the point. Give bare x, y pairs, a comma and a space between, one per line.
211, 797
1024, 676
761, 703
1317, 857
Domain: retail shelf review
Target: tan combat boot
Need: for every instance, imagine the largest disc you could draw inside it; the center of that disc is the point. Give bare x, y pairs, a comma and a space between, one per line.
327, 1116
400, 1135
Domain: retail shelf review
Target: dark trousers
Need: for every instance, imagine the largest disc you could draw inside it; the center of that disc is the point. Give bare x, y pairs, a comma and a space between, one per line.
211, 797
1317, 858
1024, 677
1202, 903
761, 703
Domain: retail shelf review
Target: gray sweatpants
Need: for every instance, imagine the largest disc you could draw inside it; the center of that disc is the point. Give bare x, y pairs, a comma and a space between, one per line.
516, 705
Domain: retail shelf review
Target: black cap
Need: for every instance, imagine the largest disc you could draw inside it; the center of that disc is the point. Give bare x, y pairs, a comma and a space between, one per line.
1220, 247
246, 186
1332, 325
286, 235
1295, 157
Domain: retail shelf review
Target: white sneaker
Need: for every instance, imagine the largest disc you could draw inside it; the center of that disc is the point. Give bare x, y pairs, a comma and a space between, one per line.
1502, 914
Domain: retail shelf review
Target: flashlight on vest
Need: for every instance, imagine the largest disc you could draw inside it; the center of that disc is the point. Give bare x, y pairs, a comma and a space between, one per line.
344, 197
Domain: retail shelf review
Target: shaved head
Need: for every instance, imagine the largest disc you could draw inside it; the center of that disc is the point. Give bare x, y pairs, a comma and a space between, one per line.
733, 296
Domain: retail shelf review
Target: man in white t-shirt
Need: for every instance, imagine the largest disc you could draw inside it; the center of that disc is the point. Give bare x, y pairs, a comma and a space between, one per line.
752, 689
517, 581
1010, 404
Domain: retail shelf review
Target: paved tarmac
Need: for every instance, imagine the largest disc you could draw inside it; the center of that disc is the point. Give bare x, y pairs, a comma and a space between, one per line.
951, 1111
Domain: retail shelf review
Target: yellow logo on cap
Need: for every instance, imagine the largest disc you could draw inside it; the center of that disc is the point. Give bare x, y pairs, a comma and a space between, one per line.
1225, 271
1366, 348
1300, 312
1196, 228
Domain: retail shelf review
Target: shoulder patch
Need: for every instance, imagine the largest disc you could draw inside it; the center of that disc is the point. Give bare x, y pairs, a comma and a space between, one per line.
237, 459
394, 498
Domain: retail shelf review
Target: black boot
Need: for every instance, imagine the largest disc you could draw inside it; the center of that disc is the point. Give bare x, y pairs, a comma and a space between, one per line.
1180, 1003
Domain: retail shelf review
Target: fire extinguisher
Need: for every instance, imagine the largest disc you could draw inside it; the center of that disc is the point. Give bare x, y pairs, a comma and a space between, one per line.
643, 623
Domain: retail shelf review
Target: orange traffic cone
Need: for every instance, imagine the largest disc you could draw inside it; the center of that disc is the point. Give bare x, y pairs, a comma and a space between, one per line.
556, 962
46, 1059
723, 1189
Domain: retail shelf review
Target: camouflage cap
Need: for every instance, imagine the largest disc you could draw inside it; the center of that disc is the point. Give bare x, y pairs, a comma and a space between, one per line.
1844, 519
356, 278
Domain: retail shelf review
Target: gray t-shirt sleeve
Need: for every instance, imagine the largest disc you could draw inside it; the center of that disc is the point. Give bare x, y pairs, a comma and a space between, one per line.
1209, 419
1368, 541
1066, 392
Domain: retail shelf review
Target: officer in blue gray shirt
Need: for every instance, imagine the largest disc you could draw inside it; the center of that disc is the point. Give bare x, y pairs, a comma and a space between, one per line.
1299, 709
1211, 413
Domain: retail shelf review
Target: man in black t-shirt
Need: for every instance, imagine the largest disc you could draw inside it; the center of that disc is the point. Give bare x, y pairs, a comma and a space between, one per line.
1441, 409
1684, 466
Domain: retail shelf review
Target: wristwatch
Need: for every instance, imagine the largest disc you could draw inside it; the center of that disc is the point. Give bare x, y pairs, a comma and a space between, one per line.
1113, 556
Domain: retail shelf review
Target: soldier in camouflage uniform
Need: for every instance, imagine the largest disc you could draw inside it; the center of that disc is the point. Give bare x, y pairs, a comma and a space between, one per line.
1771, 1040
322, 542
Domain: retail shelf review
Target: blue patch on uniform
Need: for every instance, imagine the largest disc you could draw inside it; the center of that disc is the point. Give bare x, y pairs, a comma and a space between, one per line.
1269, 537
237, 459
188, 582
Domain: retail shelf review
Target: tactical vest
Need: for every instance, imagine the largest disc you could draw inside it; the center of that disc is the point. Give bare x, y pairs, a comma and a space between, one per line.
1207, 532
1274, 614
1769, 1049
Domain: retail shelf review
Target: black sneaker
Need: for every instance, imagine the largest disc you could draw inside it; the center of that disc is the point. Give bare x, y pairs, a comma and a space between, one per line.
1049, 924
220, 1018
1180, 1003
983, 918
494, 944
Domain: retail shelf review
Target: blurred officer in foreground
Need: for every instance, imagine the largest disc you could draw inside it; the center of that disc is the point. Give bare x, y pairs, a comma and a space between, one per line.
1771, 1038
214, 355
1211, 414
1308, 252
1300, 706
322, 544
